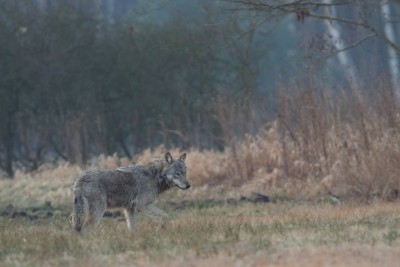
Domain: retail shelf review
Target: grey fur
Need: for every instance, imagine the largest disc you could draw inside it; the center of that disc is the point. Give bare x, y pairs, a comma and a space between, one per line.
132, 188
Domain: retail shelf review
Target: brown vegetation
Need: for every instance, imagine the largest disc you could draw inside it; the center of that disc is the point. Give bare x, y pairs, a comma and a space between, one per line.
321, 143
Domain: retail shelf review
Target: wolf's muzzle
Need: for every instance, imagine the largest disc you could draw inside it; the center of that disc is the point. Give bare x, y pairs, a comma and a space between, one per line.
184, 186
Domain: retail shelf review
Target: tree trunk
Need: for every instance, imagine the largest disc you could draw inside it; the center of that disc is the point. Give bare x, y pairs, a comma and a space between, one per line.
340, 45
8, 146
393, 57
124, 147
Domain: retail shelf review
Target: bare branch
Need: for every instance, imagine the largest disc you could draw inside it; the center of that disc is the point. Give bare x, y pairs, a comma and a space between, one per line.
364, 25
251, 29
306, 8
294, 6
357, 42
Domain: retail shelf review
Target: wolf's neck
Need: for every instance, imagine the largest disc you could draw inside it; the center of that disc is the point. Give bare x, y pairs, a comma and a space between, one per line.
162, 183
157, 168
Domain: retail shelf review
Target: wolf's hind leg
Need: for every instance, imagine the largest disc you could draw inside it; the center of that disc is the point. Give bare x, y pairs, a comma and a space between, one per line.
130, 218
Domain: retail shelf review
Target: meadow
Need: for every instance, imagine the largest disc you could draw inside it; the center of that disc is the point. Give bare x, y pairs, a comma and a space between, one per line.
246, 234
207, 226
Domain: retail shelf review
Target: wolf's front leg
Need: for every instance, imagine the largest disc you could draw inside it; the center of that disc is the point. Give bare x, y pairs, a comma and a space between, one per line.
152, 210
130, 218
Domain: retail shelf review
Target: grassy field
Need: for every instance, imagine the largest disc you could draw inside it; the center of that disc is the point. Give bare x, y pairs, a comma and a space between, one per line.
214, 234
211, 224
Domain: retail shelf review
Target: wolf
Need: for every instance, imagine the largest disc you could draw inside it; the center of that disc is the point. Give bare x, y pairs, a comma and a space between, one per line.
133, 188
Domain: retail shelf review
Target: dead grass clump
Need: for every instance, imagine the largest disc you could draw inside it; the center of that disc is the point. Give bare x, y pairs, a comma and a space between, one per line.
345, 145
342, 143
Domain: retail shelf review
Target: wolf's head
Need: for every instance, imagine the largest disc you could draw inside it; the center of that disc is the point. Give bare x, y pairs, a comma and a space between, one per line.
175, 171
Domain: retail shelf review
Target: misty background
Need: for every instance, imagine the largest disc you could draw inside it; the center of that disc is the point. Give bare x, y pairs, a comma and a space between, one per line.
88, 77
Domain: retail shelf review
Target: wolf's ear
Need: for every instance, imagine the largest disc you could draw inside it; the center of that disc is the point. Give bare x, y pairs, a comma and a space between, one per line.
183, 157
168, 158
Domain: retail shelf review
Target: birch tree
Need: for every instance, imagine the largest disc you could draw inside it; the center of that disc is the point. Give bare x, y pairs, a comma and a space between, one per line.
393, 56
340, 45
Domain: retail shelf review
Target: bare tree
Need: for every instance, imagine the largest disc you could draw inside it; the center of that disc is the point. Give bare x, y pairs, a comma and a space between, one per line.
307, 9
312, 9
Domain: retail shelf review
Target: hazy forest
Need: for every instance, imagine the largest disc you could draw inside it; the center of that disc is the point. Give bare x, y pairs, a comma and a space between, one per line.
87, 78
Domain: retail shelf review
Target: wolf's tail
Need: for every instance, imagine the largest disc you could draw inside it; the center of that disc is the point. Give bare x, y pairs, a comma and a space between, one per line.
81, 208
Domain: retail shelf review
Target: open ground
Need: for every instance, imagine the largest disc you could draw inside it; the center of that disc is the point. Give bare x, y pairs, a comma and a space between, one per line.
206, 227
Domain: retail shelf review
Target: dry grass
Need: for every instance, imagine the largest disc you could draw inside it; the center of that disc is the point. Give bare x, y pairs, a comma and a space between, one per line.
244, 235
321, 143
344, 143
265, 166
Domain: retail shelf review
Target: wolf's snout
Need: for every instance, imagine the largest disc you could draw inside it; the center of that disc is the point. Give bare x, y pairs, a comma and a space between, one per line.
181, 184
184, 186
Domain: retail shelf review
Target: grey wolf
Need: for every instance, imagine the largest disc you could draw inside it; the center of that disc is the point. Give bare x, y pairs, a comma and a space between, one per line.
132, 188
